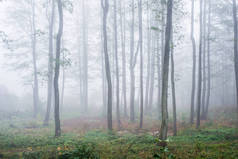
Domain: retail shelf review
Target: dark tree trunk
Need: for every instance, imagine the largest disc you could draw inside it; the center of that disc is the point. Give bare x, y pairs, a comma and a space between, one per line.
199, 70
105, 7
164, 125
235, 49
57, 70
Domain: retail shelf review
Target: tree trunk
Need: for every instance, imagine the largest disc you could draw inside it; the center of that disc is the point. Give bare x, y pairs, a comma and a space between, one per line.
123, 39
204, 62
162, 2
50, 65
132, 74
173, 88
164, 125
33, 43
194, 65
117, 66
141, 62
199, 69
105, 7
63, 79
235, 50
57, 70
85, 58
208, 61
148, 59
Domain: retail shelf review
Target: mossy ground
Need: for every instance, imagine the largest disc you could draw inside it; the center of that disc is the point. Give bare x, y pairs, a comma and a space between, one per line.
33, 141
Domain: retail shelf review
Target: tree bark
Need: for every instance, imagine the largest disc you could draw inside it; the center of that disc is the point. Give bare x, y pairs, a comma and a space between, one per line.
204, 62
132, 74
208, 61
173, 88
141, 63
194, 66
123, 39
235, 50
148, 59
117, 66
199, 69
85, 58
33, 43
164, 125
50, 64
105, 7
57, 70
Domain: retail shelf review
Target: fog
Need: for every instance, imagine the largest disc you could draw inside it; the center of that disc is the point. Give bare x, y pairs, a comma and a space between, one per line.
114, 63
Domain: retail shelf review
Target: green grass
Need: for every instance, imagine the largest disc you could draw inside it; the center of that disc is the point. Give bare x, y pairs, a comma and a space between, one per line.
190, 143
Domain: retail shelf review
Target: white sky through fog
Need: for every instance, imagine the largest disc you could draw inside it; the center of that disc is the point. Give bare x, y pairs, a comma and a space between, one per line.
11, 80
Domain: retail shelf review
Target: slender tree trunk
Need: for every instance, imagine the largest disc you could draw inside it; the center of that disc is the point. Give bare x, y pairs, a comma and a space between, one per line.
235, 49
105, 7
148, 59
104, 92
152, 79
141, 62
194, 65
63, 80
132, 74
33, 43
57, 70
173, 88
208, 61
50, 65
85, 58
204, 61
122, 26
162, 55
199, 70
117, 66
164, 125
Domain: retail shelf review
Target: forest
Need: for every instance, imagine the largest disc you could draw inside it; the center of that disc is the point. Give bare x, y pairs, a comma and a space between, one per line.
118, 79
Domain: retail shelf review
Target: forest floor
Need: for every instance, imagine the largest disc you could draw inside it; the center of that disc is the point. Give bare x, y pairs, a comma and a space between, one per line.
84, 138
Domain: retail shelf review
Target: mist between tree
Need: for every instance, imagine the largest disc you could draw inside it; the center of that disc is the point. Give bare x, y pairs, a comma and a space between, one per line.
163, 71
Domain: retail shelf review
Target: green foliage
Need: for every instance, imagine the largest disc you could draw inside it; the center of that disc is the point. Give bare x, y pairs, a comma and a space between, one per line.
32, 141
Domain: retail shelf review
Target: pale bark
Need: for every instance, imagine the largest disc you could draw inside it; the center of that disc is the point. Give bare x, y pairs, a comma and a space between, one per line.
132, 74
50, 64
34, 56
194, 65
208, 61
123, 39
57, 70
141, 62
148, 59
164, 125
117, 66
204, 89
173, 88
